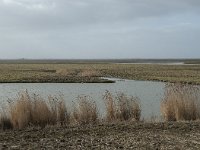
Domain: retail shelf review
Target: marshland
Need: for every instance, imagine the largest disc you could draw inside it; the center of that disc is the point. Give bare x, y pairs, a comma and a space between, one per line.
86, 71
99, 105
99, 74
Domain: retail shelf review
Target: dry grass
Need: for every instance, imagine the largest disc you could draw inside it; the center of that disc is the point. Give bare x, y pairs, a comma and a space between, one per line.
122, 107
89, 73
129, 107
20, 111
5, 122
40, 112
13, 73
27, 110
59, 110
111, 108
181, 102
66, 72
62, 114
85, 112
86, 72
32, 110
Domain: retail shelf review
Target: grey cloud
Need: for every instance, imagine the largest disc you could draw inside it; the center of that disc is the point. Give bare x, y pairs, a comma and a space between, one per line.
68, 13
99, 28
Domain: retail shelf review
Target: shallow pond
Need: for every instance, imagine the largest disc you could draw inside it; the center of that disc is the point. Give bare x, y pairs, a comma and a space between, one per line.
150, 93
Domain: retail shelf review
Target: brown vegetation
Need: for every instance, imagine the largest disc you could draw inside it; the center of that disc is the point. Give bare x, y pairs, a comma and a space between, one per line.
85, 111
87, 73
5, 122
33, 110
29, 110
181, 102
122, 107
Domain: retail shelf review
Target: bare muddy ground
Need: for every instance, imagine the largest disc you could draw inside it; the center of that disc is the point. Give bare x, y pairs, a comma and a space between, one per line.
112, 136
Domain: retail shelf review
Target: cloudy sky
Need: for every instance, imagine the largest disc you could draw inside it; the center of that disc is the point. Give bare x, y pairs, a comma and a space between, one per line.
99, 29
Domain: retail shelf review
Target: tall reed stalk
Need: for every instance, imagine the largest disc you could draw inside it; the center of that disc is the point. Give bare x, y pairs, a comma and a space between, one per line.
85, 111
122, 107
181, 102
33, 110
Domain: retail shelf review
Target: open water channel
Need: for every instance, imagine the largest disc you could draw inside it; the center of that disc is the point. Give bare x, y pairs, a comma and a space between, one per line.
150, 93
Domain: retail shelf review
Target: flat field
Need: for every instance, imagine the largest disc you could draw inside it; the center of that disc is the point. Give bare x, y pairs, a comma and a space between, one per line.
90, 72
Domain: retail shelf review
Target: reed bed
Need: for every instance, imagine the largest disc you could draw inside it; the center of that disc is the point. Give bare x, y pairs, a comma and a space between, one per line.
5, 122
32, 110
181, 102
85, 111
122, 107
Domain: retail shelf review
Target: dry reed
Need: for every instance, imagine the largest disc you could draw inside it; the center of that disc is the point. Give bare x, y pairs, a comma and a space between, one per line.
181, 102
85, 112
20, 111
129, 107
27, 110
111, 108
32, 110
122, 107
5, 122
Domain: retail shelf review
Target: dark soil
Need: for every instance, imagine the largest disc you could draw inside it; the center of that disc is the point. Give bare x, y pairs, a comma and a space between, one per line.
182, 135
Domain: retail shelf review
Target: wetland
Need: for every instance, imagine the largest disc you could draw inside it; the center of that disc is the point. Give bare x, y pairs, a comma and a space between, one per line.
143, 116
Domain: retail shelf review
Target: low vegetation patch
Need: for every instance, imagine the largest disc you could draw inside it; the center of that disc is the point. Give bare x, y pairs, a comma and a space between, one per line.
122, 107
32, 110
85, 111
181, 102
5, 122
78, 73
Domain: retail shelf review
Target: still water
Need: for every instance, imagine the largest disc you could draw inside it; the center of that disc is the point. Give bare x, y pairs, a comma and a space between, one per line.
150, 93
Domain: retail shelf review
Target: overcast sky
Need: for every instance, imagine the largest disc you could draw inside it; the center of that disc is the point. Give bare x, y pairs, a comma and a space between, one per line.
99, 29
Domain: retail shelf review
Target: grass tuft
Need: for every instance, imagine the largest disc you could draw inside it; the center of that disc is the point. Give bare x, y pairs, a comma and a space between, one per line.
111, 108
5, 122
27, 110
122, 107
20, 111
128, 107
181, 102
85, 112
32, 110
